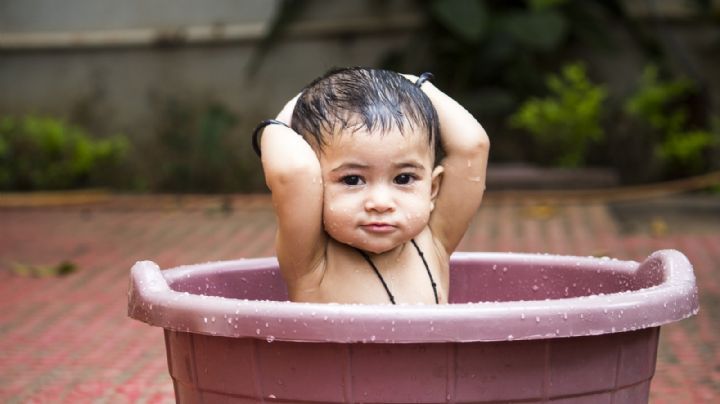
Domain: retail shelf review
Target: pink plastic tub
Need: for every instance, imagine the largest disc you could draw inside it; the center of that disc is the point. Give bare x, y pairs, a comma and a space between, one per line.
529, 328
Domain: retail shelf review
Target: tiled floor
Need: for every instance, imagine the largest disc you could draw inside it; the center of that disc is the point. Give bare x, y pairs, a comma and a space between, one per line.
68, 339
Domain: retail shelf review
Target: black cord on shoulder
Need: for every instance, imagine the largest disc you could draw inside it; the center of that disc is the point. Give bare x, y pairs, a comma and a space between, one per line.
369, 261
258, 131
427, 268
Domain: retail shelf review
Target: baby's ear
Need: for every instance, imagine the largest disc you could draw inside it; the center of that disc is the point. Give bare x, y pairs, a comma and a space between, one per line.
436, 181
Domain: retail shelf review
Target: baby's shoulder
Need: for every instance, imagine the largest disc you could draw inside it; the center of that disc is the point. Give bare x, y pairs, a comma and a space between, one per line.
429, 242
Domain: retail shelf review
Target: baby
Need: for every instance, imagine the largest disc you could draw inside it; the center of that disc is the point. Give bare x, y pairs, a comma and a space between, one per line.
365, 212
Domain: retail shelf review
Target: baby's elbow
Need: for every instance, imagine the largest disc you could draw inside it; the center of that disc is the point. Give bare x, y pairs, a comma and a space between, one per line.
295, 172
482, 140
478, 144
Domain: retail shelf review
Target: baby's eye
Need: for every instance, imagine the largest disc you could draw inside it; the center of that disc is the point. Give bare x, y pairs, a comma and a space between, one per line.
404, 179
352, 180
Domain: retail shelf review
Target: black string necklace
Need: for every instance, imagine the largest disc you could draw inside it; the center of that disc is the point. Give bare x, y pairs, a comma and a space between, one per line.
382, 280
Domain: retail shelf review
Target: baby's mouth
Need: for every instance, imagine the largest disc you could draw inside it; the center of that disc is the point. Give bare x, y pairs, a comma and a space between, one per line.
378, 227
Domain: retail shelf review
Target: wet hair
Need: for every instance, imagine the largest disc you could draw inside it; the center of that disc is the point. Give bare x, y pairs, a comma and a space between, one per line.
359, 98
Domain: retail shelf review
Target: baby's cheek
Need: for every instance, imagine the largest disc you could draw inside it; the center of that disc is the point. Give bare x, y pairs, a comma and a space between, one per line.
419, 215
335, 218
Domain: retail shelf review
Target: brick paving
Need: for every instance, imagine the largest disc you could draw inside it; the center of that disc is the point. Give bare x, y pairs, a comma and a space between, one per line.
67, 339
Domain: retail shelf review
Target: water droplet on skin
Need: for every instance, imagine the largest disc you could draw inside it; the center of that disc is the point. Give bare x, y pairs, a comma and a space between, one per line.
522, 316
205, 319
510, 337
535, 288
537, 319
270, 338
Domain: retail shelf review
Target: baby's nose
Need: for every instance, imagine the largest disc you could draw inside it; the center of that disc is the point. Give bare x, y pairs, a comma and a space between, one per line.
379, 199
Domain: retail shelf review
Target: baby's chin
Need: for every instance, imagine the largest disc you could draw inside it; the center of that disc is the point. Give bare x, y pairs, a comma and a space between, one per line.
371, 246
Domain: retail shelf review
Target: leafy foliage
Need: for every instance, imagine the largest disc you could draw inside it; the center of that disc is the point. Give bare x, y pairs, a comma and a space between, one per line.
659, 105
566, 121
196, 147
38, 152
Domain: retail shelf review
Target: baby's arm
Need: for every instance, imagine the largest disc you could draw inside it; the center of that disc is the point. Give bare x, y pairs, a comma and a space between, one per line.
292, 172
466, 147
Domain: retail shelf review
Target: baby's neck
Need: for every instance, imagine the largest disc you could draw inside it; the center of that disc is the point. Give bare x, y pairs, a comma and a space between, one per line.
392, 254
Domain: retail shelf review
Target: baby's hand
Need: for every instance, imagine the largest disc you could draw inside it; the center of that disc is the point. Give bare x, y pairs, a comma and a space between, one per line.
286, 113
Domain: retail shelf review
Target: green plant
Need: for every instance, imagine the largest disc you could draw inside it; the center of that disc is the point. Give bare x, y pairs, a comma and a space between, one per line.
38, 152
566, 121
198, 147
661, 106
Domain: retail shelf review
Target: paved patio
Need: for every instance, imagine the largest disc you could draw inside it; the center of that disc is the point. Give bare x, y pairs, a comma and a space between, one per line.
67, 338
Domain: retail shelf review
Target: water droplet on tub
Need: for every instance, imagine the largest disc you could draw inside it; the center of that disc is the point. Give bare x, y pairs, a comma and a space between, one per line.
535, 288
522, 316
271, 396
510, 337
372, 338
205, 319
270, 338
212, 319
537, 319
565, 316
257, 331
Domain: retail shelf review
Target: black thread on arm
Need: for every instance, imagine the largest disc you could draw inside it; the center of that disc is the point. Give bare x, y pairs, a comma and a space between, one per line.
257, 132
423, 78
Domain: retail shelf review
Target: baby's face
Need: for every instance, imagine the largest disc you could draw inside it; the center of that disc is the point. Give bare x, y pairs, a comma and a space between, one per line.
379, 188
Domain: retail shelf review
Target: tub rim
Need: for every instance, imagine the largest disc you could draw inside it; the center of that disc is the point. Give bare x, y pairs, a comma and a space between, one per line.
151, 300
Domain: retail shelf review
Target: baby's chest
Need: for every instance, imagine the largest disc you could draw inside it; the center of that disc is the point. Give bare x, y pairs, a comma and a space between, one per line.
355, 283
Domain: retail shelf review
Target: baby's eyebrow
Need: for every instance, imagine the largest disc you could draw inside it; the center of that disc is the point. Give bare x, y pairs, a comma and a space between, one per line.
350, 166
409, 164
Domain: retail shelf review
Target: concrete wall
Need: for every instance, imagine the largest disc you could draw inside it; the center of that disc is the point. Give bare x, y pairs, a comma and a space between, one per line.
111, 62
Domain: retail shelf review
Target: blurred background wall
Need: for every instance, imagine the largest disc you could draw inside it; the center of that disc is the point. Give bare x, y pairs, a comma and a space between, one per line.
183, 82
